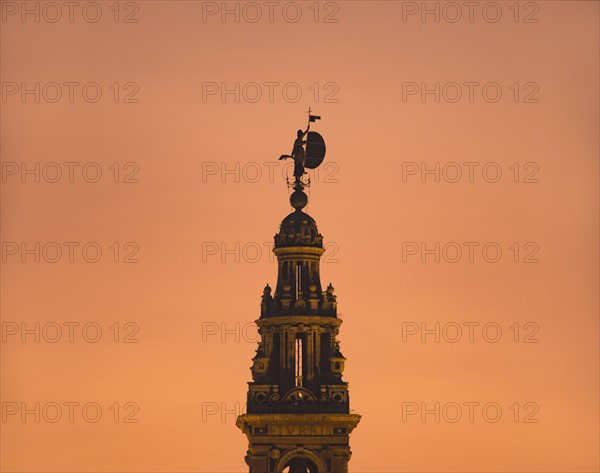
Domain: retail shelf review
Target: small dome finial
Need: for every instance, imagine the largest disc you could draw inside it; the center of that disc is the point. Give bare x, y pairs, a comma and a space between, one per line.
298, 199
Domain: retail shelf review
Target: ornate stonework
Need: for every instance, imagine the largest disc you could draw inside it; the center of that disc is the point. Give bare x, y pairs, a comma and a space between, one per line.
298, 416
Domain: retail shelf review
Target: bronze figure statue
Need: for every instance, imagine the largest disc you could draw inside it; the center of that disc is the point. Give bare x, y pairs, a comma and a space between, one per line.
298, 154
314, 154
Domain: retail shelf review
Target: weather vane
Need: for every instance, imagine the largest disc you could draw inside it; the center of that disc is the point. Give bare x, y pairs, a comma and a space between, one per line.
310, 158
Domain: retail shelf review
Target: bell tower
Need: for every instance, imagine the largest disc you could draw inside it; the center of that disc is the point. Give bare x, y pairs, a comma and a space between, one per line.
298, 416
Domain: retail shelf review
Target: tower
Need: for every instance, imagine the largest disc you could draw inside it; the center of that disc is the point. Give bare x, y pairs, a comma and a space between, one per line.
298, 416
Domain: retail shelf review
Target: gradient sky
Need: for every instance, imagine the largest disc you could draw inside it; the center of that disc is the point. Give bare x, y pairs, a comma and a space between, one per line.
186, 382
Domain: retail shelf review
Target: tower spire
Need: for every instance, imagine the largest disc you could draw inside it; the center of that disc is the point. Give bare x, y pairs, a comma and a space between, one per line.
298, 407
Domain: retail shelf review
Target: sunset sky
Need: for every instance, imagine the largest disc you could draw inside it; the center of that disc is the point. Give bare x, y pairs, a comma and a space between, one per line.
195, 108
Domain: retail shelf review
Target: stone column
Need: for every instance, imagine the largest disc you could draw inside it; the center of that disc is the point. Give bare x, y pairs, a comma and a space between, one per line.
310, 355
258, 459
341, 457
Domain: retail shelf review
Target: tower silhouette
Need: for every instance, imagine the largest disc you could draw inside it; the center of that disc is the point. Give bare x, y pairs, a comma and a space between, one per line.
298, 416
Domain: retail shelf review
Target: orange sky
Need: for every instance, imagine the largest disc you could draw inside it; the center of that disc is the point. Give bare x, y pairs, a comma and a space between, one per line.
187, 383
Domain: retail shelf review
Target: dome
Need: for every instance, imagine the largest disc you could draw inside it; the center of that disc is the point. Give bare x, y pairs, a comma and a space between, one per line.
298, 229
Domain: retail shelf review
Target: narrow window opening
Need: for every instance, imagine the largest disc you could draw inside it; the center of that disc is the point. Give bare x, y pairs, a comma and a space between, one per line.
298, 280
299, 356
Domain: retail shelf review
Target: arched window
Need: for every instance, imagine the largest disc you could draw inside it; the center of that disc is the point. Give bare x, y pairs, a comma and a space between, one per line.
300, 465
